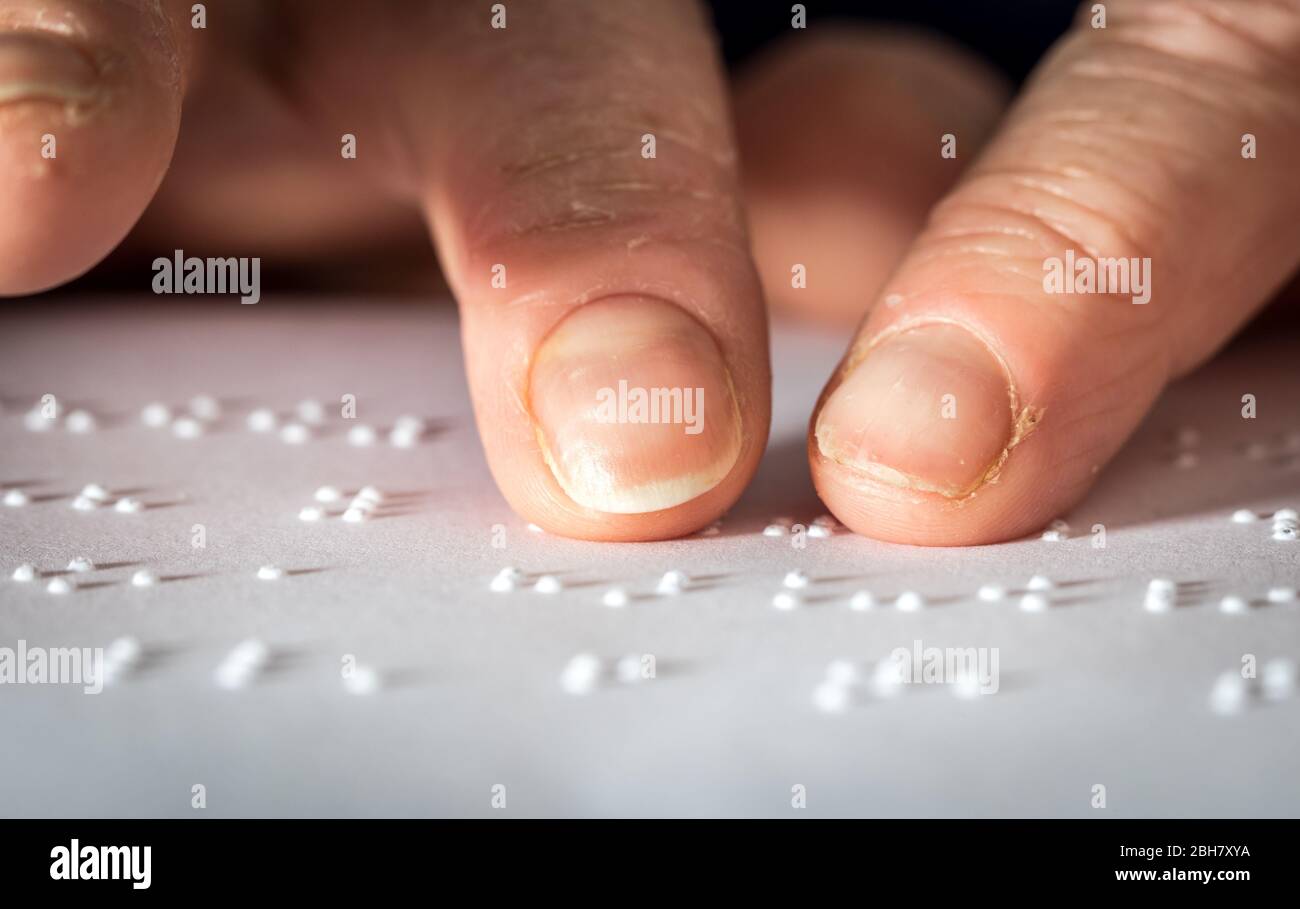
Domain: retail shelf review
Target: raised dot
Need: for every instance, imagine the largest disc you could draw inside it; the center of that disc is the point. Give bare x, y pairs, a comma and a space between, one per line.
96, 492
1285, 514
144, 578
156, 415
862, 601
1278, 679
370, 494
1281, 595
80, 422
1040, 582
399, 438
205, 408
673, 582
36, 421
615, 598
263, 419
1233, 605
909, 601
581, 674
818, 532
795, 580
354, 515
81, 564
1033, 602
58, 586
362, 680
1244, 516
1285, 534
16, 498
506, 580
295, 434
128, 505
327, 494
548, 584
83, 503
311, 513
186, 428
311, 412
1186, 460
843, 672
787, 600
628, 669
270, 573
775, 530
1230, 694
25, 573
991, 593
361, 435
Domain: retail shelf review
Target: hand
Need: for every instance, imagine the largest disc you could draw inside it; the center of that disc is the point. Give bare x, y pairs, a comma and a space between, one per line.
578, 172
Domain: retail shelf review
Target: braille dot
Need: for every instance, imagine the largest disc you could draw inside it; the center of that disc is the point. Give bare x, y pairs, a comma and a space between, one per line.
251, 652
399, 438
1040, 582
1244, 516
123, 650
59, 586
1233, 605
1160, 595
775, 530
16, 498
128, 505
506, 580
1285, 534
410, 425
888, 678
711, 531
628, 669
36, 421
205, 408
909, 601
615, 598
533, 528
295, 434
673, 582
1054, 536
826, 520
242, 664
829, 697
80, 422
1281, 595
144, 578
311, 513
1033, 602
787, 601
270, 573
818, 532
25, 573
362, 680
862, 601
327, 494
354, 515
361, 436
1277, 679
795, 580
1286, 514
262, 419
186, 428
992, 593
548, 584
156, 415
311, 412
81, 564
1230, 694
83, 503
96, 492
581, 674
1187, 437
370, 494
1256, 451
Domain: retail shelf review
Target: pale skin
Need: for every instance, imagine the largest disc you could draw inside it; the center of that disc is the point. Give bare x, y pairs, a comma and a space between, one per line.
971, 405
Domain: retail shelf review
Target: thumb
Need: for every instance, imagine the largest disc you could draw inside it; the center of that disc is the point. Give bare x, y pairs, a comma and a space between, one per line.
1137, 206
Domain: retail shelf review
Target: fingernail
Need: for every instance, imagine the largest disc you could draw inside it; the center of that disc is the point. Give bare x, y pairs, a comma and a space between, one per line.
34, 66
929, 408
634, 406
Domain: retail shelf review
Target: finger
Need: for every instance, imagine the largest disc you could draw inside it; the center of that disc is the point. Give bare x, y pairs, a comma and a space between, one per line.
840, 131
977, 402
90, 99
592, 267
